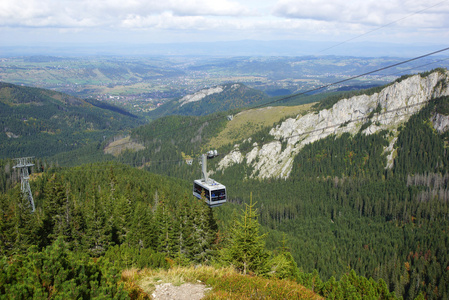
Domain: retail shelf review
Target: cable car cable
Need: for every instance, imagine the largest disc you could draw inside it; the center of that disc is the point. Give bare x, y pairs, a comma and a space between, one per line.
291, 96
319, 88
381, 27
152, 163
331, 126
305, 92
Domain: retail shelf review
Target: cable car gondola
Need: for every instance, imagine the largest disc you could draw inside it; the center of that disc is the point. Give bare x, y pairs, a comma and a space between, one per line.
214, 192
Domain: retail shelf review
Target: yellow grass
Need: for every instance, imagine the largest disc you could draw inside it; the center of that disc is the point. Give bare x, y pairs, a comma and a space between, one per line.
226, 283
147, 279
116, 147
248, 122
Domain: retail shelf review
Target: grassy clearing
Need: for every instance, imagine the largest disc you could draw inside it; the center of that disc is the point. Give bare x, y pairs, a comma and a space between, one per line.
226, 283
248, 122
116, 147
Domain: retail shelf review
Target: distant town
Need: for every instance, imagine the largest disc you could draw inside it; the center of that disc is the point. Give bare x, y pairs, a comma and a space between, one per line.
143, 84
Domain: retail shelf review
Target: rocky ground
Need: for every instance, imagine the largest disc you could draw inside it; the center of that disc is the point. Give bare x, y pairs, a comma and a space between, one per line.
186, 291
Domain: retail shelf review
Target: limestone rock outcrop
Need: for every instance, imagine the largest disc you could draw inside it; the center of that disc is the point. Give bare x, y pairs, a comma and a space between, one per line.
198, 96
388, 109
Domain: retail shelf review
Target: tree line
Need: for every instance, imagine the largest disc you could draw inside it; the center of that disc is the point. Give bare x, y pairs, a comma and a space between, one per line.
94, 220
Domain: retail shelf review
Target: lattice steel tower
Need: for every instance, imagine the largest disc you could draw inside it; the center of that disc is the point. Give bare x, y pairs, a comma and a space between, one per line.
23, 164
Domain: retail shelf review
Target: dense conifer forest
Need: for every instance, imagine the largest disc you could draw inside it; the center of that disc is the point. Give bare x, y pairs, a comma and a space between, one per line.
342, 224
95, 220
42, 123
342, 209
232, 97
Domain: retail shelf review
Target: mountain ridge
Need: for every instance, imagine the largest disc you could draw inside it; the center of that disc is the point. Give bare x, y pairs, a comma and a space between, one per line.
39, 122
366, 113
210, 100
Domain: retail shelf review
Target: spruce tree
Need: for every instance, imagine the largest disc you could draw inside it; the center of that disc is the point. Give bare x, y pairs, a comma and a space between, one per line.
204, 231
97, 237
141, 227
245, 248
55, 210
184, 230
165, 234
7, 226
24, 223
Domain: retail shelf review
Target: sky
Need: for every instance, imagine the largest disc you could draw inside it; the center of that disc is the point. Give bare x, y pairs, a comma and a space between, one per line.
38, 22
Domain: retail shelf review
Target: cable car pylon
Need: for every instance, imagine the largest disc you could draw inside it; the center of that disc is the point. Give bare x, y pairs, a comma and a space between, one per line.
213, 191
23, 164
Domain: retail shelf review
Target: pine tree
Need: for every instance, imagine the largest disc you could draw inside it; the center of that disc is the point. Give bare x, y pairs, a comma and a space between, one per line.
165, 234
122, 213
97, 237
141, 227
56, 208
204, 231
184, 230
245, 248
7, 225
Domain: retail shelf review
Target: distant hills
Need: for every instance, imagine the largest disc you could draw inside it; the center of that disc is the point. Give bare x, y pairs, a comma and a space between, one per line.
266, 142
206, 101
38, 122
226, 48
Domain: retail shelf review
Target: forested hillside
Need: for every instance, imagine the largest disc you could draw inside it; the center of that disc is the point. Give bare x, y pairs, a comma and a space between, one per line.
341, 207
95, 220
221, 98
362, 213
42, 123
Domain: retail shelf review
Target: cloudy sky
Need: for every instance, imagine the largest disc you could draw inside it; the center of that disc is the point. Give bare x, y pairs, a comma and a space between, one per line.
28, 22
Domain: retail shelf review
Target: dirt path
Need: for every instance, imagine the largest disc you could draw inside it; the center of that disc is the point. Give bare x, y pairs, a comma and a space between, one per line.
186, 291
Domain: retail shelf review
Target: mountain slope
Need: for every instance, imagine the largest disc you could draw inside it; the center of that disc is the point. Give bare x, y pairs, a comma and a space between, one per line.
40, 122
364, 181
206, 101
384, 110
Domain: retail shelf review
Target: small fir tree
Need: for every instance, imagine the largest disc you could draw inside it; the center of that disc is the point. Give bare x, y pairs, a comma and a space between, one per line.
245, 248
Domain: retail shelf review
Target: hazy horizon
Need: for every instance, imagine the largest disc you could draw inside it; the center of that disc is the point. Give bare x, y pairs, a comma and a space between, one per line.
335, 27
225, 48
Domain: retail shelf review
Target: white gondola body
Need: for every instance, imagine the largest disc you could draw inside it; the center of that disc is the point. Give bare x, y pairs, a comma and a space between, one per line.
214, 192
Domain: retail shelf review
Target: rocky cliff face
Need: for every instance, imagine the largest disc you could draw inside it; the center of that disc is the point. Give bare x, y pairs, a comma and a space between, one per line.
200, 95
387, 109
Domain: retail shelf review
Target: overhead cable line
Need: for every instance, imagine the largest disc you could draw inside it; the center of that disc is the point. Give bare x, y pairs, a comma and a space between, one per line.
302, 93
149, 164
351, 78
312, 131
299, 94
305, 92
383, 26
286, 97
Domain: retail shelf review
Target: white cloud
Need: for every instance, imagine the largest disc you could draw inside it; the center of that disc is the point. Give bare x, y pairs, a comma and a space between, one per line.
88, 13
165, 20
366, 12
226, 19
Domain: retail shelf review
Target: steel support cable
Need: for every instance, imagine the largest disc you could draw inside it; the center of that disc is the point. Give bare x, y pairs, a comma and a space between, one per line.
364, 118
312, 90
305, 92
420, 66
383, 26
308, 91
359, 119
